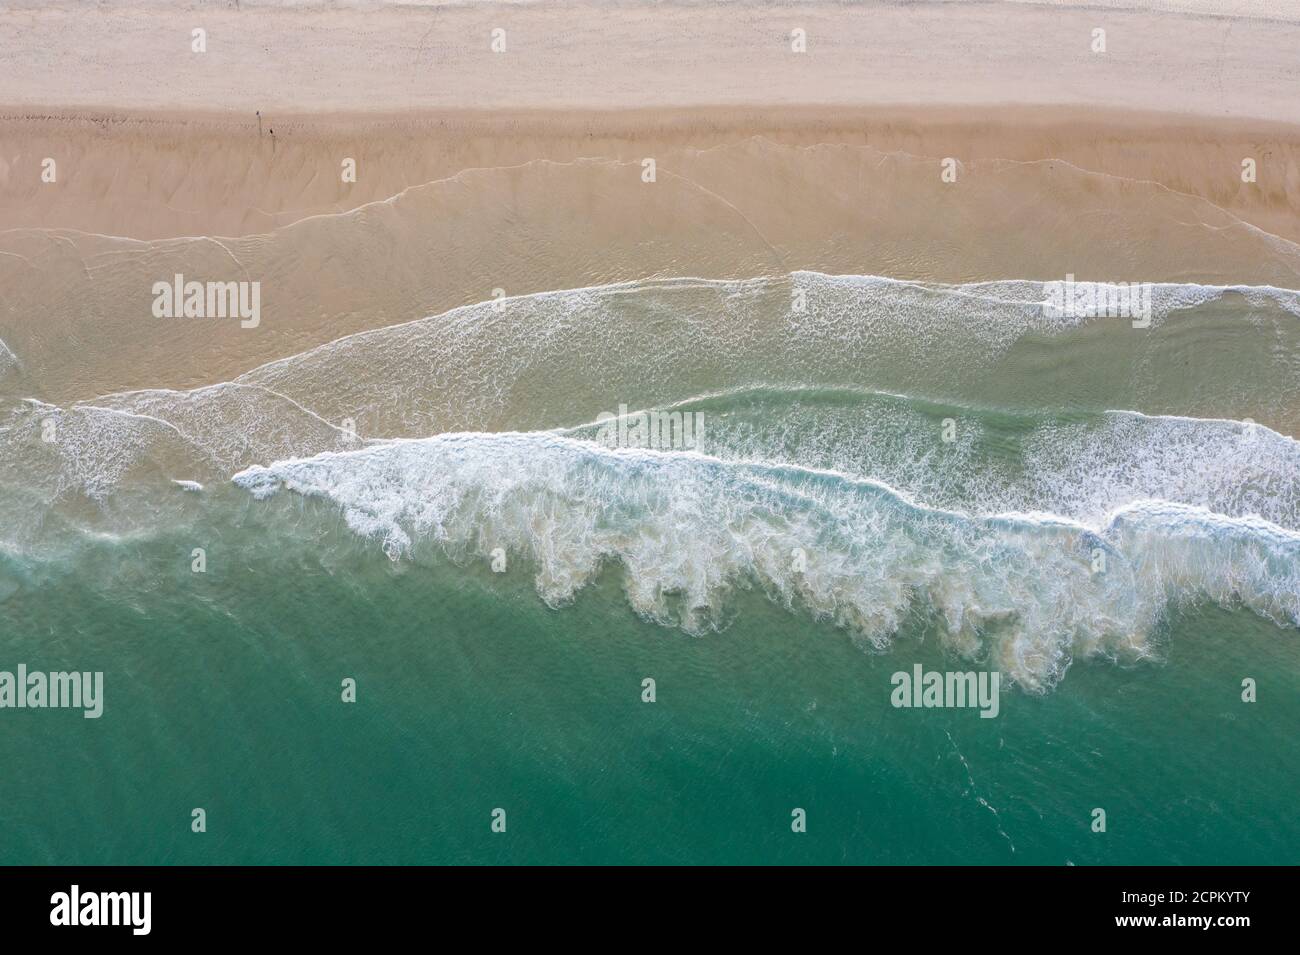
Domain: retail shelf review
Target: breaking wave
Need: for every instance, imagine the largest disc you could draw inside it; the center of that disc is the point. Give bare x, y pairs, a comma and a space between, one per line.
1029, 592
874, 451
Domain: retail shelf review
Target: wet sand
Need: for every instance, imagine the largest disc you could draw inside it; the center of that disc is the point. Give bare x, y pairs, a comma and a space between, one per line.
152, 176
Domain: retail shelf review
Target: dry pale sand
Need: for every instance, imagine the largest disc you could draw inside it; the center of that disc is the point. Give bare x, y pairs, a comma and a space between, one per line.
603, 55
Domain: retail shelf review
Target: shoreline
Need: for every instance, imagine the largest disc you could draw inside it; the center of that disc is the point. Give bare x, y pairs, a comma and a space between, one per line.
521, 170
449, 206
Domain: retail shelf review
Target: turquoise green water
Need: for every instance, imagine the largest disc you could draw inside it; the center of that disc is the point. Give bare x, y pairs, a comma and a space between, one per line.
898, 475
222, 691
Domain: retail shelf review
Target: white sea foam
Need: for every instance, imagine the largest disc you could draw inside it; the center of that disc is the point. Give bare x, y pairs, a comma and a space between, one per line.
1081, 466
495, 365
540, 361
84, 451
687, 529
8, 360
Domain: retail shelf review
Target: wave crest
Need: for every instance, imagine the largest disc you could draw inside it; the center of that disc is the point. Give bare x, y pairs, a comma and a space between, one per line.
1030, 593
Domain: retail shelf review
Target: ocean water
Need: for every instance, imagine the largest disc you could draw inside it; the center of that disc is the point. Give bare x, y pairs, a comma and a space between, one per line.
888, 474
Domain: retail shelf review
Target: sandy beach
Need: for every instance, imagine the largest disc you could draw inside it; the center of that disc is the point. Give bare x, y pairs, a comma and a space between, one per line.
156, 139
437, 163
346, 349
